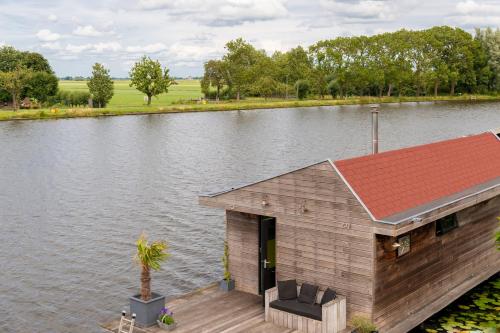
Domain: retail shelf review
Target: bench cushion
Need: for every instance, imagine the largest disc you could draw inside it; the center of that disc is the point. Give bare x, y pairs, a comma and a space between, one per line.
307, 293
328, 295
312, 311
287, 290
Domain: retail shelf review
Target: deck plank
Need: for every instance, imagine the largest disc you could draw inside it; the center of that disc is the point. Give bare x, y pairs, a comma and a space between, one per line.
209, 310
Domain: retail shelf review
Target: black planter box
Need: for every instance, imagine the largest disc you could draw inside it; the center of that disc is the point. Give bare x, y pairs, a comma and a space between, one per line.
146, 311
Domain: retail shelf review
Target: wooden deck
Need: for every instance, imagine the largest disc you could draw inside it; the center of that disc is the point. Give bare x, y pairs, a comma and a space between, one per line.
209, 310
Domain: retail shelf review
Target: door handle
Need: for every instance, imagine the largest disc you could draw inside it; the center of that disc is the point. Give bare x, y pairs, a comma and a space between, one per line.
265, 262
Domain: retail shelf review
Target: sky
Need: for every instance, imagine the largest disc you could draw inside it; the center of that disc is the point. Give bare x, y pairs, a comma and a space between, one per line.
183, 34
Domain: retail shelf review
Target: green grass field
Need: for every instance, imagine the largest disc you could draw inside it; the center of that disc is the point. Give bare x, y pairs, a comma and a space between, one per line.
126, 96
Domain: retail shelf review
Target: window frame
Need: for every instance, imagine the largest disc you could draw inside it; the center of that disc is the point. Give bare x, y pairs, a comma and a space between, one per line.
440, 230
398, 239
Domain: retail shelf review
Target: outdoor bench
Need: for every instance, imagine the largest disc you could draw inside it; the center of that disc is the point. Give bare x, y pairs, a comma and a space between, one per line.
309, 318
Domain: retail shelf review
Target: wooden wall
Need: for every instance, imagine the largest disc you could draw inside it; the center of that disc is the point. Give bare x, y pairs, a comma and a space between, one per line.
438, 269
243, 243
324, 235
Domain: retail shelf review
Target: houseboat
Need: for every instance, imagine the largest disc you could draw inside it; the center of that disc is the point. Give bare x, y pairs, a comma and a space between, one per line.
400, 234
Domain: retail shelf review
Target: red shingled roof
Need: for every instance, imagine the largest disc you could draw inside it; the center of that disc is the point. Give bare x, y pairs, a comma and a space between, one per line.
395, 181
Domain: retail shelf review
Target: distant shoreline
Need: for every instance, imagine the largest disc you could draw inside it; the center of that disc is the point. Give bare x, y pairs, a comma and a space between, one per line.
36, 114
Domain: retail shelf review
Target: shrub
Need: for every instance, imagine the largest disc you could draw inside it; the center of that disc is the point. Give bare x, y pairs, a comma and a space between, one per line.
42, 86
363, 324
225, 93
225, 263
302, 87
265, 87
333, 88
71, 98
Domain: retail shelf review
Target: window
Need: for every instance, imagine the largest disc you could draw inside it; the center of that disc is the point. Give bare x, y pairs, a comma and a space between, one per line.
446, 224
404, 245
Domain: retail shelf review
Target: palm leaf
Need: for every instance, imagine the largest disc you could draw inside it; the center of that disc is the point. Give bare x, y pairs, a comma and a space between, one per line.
151, 255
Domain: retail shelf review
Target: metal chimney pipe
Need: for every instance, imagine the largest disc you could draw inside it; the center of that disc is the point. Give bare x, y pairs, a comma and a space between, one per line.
374, 129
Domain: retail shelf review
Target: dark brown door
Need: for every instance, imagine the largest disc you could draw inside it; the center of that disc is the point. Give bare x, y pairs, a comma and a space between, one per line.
267, 254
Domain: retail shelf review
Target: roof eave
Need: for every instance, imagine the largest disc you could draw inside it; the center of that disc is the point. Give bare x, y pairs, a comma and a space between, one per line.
215, 194
428, 213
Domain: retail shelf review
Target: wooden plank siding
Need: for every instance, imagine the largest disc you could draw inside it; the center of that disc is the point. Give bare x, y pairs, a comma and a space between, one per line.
437, 270
243, 242
323, 234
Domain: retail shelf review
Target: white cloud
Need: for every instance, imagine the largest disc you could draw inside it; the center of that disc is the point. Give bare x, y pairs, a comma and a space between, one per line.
52, 18
150, 48
154, 4
271, 45
476, 14
78, 48
471, 7
46, 35
87, 30
368, 10
94, 48
220, 12
52, 46
110, 46
189, 53
248, 10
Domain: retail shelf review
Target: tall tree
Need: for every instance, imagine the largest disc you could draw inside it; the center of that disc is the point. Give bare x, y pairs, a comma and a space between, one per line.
148, 77
10, 58
489, 41
14, 82
101, 85
240, 58
215, 76
36, 62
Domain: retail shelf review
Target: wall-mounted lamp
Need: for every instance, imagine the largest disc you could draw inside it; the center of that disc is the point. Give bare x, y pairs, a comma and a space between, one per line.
264, 203
395, 245
416, 220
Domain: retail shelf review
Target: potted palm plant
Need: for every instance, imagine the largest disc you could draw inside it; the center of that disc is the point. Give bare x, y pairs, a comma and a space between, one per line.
227, 284
147, 305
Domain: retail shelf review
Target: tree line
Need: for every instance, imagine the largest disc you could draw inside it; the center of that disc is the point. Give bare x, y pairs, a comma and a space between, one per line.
29, 75
439, 60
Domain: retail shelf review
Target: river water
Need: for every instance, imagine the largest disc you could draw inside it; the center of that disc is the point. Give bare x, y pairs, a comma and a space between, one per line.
76, 193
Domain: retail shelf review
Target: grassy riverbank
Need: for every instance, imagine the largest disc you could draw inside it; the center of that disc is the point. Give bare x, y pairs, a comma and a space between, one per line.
179, 101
